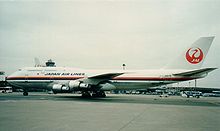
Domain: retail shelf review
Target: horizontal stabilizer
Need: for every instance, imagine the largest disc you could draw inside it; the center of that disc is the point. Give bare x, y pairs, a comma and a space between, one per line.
195, 72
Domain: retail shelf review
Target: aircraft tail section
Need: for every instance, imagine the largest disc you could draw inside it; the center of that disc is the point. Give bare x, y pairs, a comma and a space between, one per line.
194, 56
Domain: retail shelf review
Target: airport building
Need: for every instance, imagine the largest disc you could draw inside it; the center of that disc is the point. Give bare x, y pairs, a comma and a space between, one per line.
50, 63
2, 78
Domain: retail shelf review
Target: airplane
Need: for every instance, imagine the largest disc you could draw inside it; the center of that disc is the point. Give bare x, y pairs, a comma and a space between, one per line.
94, 83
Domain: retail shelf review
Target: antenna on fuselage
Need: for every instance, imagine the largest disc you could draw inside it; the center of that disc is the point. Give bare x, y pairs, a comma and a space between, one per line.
123, 66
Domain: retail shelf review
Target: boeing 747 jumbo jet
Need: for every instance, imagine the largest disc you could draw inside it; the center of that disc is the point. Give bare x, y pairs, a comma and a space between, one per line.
95, 82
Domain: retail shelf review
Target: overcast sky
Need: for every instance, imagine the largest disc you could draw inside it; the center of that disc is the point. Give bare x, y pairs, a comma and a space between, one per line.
143, 34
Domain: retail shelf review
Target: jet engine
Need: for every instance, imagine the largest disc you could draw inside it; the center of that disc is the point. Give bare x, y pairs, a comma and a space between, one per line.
58, 88
78, 84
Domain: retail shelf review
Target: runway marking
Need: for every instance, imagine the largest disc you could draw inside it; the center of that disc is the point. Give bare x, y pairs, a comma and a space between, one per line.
129, 122
5, 101
215, 103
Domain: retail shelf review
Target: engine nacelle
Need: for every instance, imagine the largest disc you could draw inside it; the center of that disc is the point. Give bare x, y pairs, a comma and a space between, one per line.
77, 84
58, 88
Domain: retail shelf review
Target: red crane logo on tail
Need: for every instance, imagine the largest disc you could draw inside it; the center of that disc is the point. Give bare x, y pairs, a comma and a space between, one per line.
194, 55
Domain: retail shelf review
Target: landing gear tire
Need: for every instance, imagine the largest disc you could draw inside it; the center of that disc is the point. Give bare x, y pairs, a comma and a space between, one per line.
94, 95
25, 93
86, 94
99, 94
103, 94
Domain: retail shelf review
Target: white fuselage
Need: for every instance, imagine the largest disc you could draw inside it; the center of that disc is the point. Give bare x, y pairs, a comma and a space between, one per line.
46, 77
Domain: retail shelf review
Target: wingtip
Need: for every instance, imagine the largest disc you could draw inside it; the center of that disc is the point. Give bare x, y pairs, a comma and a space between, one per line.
208, 37
211, 37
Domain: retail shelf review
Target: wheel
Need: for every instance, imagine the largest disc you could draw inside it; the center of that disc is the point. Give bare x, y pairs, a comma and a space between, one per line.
25, 93
103, 94
99, 94
86, 94
94, 95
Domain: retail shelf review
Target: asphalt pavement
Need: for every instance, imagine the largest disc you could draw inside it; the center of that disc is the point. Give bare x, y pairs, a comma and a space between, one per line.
70, 112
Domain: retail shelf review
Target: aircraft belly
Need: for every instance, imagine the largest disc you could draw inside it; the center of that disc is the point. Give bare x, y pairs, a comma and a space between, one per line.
33, 84
131, 85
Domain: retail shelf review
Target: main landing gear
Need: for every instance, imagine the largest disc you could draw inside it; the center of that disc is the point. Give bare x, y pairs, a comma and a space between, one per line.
87, 94
99, 94
25, 93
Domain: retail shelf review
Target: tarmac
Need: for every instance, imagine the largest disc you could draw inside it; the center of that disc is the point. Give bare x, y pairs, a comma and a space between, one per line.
116, 112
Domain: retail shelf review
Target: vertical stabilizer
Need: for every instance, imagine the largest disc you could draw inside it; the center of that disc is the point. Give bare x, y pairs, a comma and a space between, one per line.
194, 56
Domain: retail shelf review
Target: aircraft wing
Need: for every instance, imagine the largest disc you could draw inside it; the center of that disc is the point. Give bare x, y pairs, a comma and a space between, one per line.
96, 79
105, 76
198, 72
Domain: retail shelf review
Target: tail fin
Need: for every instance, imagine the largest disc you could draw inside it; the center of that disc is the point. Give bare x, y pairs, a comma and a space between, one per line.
194, 56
